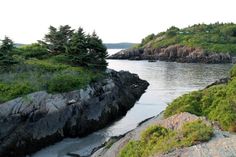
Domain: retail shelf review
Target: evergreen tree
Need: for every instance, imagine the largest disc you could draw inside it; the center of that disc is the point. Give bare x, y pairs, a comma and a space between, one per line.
77, 48
57, 39
5, 49
96, 50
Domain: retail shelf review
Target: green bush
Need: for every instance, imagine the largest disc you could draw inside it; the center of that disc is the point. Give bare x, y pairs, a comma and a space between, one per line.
34, 50
64, 83
233, 71
154, 130
218, 103
10, 91
47, 65
156, 139
196, 132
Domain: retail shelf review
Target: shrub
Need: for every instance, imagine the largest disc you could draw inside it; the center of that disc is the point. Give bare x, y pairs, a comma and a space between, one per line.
154, 130
196, 132
233, 71
64, 83
156, 139
34, 50
10, 91
218, 103
47, 65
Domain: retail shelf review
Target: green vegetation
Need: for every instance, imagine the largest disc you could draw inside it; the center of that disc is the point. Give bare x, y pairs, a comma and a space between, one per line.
65, 60
5, 49
157, 139
218, 37
218, 103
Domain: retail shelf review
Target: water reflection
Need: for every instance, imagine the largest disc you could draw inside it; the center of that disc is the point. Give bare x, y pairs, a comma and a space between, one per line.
167, 80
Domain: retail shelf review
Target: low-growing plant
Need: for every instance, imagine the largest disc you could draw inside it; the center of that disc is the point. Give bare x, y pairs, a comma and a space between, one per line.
233, 72
34, 50
196, 132
10, 91
47, 65
64, 83
156, 139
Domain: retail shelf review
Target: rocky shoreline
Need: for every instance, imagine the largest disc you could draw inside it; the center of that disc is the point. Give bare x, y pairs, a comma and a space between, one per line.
39, 119
174, 53
222, 144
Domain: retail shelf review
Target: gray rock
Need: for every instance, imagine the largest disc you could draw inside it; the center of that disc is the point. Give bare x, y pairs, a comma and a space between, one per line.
39, 119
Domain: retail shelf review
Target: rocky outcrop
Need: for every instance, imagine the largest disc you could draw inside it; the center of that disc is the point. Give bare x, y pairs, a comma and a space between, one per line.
31, 122
174, 53
223, 144
220, 81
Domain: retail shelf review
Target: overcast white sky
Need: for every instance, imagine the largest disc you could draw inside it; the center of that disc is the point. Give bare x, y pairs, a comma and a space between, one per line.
26, 21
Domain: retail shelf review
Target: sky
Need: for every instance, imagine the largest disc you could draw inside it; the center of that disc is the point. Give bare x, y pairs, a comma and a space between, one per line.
26, 21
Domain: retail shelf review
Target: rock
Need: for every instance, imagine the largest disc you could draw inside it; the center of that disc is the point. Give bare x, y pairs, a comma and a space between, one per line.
39, 119
217, 147
223, 144
220, 81
173, 53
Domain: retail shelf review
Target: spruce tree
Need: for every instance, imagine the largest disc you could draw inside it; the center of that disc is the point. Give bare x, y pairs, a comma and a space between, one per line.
77, 48
97, 51
57, 39
5, 49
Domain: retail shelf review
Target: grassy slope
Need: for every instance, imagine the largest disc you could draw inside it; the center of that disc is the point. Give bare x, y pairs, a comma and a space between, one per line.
51, 74
218, 103
212, 38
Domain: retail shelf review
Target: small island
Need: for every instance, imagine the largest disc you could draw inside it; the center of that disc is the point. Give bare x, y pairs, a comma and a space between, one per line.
200, 43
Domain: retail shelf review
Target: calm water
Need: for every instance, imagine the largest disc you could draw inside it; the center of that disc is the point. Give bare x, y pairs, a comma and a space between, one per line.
167, 80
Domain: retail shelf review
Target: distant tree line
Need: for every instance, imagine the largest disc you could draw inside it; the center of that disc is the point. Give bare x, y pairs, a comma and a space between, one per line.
80, 48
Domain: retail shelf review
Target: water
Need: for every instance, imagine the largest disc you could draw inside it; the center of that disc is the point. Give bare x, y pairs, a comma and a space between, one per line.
168, 80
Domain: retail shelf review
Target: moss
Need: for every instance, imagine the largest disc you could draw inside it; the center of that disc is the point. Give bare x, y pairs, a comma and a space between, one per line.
156, 139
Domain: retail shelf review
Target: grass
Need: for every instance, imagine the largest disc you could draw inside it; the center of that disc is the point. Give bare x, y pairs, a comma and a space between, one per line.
212, 38
218, 103
51, 74
156, 139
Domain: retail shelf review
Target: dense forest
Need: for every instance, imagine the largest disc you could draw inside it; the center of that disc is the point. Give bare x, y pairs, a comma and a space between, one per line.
65, 59
217, 37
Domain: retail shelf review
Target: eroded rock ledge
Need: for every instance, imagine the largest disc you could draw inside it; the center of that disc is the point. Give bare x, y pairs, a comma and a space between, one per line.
222, 144
174, 53
39, 119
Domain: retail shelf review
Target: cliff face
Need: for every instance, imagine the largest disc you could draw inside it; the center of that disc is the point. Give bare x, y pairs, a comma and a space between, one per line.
174, 53
31, 122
